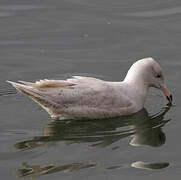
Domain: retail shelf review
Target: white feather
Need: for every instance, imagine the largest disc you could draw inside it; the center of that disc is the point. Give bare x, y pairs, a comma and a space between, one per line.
89, 98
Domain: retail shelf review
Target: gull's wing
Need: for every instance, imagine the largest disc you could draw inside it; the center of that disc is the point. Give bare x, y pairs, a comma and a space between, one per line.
77, 97
48, 84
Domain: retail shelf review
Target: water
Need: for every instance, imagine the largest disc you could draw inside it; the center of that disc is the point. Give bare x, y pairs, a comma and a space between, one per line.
57, 39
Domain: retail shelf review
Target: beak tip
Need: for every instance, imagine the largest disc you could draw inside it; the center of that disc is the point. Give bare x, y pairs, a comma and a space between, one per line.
170, 98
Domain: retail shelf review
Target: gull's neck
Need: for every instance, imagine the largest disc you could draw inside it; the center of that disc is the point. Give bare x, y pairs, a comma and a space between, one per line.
138, 86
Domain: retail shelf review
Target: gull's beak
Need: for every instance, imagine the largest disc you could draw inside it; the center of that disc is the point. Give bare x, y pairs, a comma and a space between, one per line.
166, 93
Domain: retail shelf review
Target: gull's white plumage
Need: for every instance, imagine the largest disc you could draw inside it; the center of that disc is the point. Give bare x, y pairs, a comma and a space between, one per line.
91, 98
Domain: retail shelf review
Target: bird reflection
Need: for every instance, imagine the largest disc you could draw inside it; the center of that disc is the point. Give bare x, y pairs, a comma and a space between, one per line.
149, 166
144, 129
35, 171
149, 132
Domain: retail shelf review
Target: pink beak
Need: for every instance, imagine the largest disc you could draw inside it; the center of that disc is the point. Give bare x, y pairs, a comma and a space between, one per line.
166, 93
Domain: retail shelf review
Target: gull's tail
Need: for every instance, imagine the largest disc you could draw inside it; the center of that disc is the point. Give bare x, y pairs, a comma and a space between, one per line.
36, 95
25, 89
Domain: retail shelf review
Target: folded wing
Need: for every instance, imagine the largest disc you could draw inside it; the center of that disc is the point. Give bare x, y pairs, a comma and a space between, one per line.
78, 97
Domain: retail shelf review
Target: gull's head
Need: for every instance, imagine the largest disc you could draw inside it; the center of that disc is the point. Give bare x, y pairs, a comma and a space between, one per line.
147, 72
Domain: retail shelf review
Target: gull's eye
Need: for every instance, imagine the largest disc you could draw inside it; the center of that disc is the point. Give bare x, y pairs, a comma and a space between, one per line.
158, 76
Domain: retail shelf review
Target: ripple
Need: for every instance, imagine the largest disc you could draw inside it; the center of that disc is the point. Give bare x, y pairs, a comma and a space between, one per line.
19, 7
10, 10
114, 167
6, 14
149, 166
11, 42
116, 4
5, 91
8, 92
155, 13
34, 171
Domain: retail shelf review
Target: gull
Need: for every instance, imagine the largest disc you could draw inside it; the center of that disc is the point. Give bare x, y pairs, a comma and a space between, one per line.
91, 98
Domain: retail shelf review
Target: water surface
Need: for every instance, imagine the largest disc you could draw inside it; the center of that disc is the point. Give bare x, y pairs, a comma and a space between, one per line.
58, 39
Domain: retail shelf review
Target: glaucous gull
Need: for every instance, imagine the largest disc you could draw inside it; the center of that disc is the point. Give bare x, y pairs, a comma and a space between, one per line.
91, 98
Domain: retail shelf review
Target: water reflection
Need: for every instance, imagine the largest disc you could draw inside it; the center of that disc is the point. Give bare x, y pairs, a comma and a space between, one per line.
149, 132
143, 129
149, 166
35, 171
